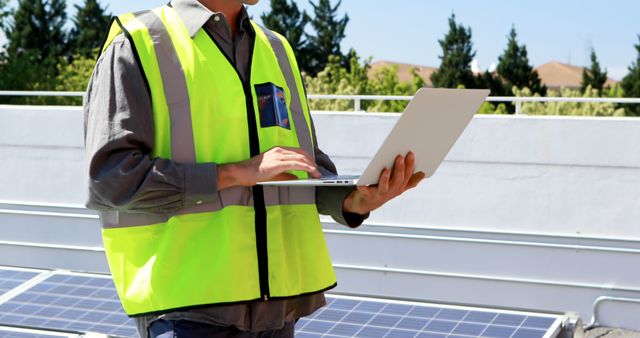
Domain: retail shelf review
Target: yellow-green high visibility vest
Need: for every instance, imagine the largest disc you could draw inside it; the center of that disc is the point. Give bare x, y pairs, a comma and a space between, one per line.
250, 243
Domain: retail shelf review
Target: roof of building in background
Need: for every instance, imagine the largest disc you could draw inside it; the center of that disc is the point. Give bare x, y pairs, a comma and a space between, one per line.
554, 74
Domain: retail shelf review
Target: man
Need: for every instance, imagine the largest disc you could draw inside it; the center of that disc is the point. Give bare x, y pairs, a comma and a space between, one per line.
189, 106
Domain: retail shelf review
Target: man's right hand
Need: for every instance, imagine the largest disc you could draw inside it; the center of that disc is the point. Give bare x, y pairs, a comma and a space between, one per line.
269, 166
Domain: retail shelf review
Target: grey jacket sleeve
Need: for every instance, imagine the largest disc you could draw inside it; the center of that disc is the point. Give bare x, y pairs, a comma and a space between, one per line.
119, 137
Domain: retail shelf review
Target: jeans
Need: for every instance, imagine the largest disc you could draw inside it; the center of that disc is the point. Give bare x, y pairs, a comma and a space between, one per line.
187, 329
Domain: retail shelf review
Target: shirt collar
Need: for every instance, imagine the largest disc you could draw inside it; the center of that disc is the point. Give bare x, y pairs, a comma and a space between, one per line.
195, 15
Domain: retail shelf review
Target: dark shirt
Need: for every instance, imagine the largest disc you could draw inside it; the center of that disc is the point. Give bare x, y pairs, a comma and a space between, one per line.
123, 176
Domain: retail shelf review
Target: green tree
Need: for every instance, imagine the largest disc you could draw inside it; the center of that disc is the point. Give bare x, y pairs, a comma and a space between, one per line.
38, 25
514, 68
329, 32
457, 54
24, 72
615, 91
74, 77
492, 82
35, 45
286, 19
631, 83
488, 108
90, 24
5, 12
353, 80
593, 77
337, 79
417, 80
568, 108
385, 82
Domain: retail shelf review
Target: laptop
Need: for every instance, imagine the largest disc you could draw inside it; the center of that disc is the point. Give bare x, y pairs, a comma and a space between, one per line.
429, 127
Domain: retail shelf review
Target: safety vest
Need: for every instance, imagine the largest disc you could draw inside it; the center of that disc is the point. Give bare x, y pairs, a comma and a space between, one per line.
250, 244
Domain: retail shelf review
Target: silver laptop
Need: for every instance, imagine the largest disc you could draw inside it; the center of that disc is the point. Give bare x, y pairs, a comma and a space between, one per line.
430, 125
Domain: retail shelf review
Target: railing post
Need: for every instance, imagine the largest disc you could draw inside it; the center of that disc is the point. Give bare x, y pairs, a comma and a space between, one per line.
518, 107
356, 104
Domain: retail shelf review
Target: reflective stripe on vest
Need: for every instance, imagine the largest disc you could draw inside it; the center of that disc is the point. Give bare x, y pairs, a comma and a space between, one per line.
304, 137
175, 88
206, 254
235, 196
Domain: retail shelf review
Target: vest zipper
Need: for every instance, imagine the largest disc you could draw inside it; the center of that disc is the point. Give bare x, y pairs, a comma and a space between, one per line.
259, 207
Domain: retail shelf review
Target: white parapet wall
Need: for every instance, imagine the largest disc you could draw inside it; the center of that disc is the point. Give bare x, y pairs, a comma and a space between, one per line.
538, 213
541, 175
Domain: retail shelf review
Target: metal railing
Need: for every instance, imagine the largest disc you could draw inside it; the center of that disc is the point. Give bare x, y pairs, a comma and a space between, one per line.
40, 93
357, 99
517, 101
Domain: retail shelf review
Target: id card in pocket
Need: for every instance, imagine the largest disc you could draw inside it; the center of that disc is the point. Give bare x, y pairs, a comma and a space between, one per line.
273, 106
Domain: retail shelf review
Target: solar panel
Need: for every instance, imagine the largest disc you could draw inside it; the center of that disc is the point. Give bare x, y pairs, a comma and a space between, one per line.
71, 302
362, 317
89, 303
12, 278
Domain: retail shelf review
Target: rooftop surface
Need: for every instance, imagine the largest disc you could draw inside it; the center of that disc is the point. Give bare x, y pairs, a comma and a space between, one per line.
608, 332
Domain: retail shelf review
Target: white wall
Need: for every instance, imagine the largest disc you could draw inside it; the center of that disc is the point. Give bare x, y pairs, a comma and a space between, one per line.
550, 175
42, 152
571, 176
526, 212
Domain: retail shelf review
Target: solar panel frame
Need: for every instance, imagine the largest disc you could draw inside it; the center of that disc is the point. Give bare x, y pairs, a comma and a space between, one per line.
15, 332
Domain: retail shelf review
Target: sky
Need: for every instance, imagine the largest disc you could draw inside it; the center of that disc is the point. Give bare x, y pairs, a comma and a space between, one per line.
408, 30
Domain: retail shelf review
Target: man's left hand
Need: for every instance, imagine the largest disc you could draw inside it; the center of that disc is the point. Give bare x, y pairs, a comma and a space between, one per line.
392, 183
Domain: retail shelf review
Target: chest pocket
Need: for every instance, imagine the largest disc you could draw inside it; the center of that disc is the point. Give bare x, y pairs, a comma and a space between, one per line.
272, 106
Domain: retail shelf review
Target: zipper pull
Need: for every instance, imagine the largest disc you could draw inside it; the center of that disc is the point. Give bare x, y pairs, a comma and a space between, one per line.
265, 297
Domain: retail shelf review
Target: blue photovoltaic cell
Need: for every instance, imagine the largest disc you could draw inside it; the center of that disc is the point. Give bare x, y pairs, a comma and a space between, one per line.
538, 323
10, 279
346, 317
70, 303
